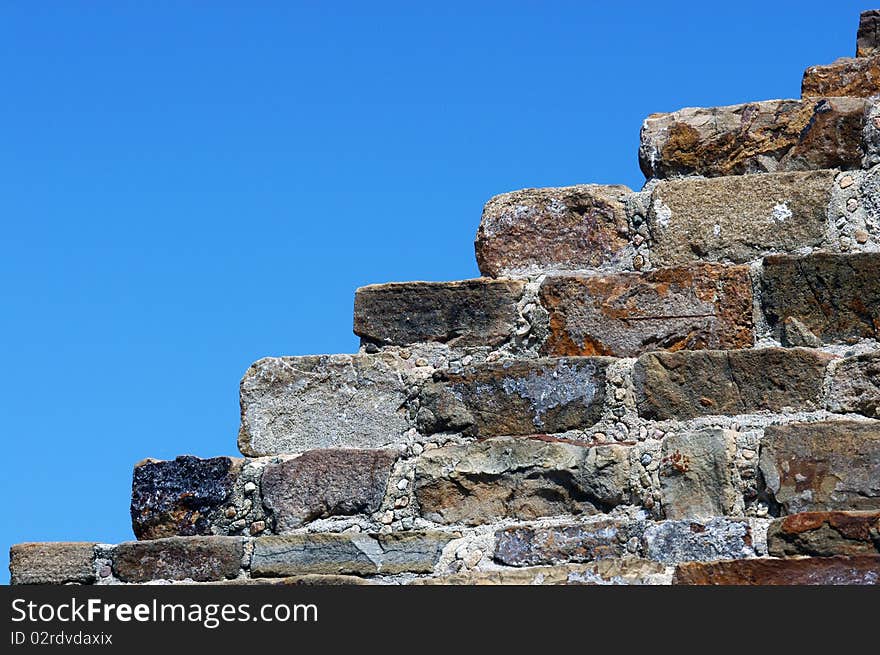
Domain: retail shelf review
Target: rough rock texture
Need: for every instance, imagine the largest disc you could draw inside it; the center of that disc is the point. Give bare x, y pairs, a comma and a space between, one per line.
179, 497
825, 534
687, 384
837, 297
60, 562
696, 474
625, 571
855, 386
758, 137
863, 570
322, 483
581, 542
663, 541
552, 229
825, 466
868, 37
516, 397
627, 314
469, 313
738, 218
519, 478
200, 559
671, 542
845, 77
348, 553
294, 404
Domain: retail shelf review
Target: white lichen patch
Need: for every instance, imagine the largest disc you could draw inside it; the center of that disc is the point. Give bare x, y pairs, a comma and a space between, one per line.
547, 389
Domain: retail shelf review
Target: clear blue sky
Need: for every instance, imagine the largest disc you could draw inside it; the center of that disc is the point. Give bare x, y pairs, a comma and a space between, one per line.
185, 190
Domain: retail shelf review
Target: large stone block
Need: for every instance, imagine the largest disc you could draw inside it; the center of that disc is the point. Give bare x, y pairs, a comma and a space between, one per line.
538, 230
687, 384
294, 404
758, 137
858, 77
863, 570
347, 553
868, 38
52, 563
855, 386
200, 559
739, 218
478, 312
519, 478
697, 474
825, 534
578, 542
837, 297
180, 497
322, 483
626, 314
516, 397
809, 467
671, 542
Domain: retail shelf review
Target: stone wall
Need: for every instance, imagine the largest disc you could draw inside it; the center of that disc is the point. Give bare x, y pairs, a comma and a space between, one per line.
677, 385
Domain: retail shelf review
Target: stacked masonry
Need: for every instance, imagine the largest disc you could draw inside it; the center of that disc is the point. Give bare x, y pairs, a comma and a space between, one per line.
673, 385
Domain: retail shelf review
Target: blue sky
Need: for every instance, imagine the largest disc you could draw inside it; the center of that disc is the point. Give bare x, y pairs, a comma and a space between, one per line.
185, 190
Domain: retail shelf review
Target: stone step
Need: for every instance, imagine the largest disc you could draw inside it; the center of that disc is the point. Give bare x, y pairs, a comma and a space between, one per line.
222, 558
294, 404
624, 571
758, 137
860, 570
857, 77
540, 230
478, 312
825, 534
833, 297
382, 401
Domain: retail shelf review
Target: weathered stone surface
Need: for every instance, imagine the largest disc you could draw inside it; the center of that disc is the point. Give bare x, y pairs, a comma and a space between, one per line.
348, 553
322, 483
855, 386
478, 312
824, 466
626, 571
525, 545
868, 38
738, 218
795, 334
519, 478
200, 559
687, 384
516, 397
863, 570
825, 534
758, 137
563, 228
179, 497
697, 474
837, 297
668, 542
681, 541
627, 314
858, 77
294, 404
59, 562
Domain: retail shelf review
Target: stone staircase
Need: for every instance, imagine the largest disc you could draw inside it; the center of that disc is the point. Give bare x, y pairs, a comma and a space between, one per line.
677, 385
